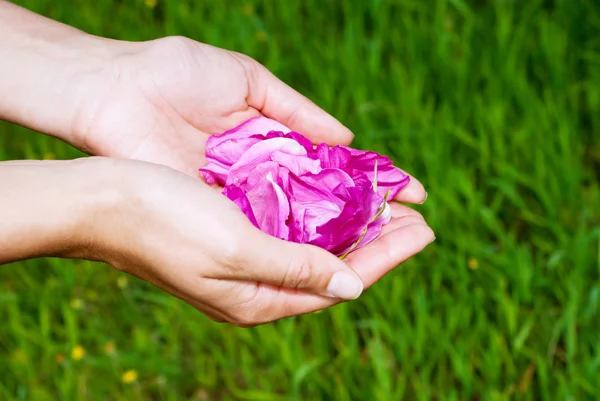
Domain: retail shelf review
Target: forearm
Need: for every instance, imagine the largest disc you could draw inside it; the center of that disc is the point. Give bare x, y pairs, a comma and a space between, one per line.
47, 208
39, 60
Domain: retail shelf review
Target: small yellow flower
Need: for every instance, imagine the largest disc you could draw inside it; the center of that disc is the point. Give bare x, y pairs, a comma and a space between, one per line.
129, 376
59, 358
248, 10
78, 352
76, 303
473, 264
261, 36
150, 3
122, 282
109, 347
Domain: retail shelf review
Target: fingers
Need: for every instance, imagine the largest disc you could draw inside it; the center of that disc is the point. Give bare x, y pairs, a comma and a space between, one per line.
306, 268
372, 262
276, 100
266, 259
399, 210
382, 255
399, 222
296, 279
414, 192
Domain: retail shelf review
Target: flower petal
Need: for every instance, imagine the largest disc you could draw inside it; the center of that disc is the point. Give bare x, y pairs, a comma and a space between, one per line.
229, 151
388, 177
306, 217
238, 196
254, 126
269, 203
339, 233
224, 150
302, 140
215, 173
335, 157
315, 199
260, 153
374, 229
297, 165
326, 185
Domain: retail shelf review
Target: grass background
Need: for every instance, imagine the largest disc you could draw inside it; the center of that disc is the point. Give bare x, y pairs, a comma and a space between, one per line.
494, 105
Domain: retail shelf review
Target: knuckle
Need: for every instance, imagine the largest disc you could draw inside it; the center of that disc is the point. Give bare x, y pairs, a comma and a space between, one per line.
299, 274
295, 117
419, 230
416, 232
177, 41
413, 213
390, 245
405, 211
412, 220
178, 48
232, 254
252, 68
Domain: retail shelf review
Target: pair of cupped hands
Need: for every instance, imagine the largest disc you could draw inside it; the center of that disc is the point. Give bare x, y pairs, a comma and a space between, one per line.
146, 109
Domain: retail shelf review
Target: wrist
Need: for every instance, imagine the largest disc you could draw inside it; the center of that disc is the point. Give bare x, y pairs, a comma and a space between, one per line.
104, 191
52, 71
55, 208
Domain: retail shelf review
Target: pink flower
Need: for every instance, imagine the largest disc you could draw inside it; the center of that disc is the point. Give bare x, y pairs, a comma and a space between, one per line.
332, 197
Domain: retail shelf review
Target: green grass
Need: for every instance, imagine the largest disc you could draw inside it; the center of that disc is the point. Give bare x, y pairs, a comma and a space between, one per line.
494, 105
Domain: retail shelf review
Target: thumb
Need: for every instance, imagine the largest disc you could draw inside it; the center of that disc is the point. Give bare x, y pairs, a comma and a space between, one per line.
269, 260
278, 101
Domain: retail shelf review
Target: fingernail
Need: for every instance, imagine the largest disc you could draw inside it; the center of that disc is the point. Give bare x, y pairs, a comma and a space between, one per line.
344, 285
425, 198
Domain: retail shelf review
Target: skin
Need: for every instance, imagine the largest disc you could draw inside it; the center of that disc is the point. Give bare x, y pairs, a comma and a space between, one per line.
145, 110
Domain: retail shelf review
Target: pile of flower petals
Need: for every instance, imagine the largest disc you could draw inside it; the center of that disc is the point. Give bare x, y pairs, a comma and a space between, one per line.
332, 197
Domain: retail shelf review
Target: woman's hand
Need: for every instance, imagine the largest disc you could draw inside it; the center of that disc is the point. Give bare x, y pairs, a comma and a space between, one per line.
155, 101
160, 100
175, 232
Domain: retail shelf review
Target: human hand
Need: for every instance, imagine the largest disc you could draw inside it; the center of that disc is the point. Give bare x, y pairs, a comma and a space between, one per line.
177, 233
155, 101
160, 100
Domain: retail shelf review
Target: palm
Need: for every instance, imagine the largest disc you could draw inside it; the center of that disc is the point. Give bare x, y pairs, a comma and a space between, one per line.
169, 98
